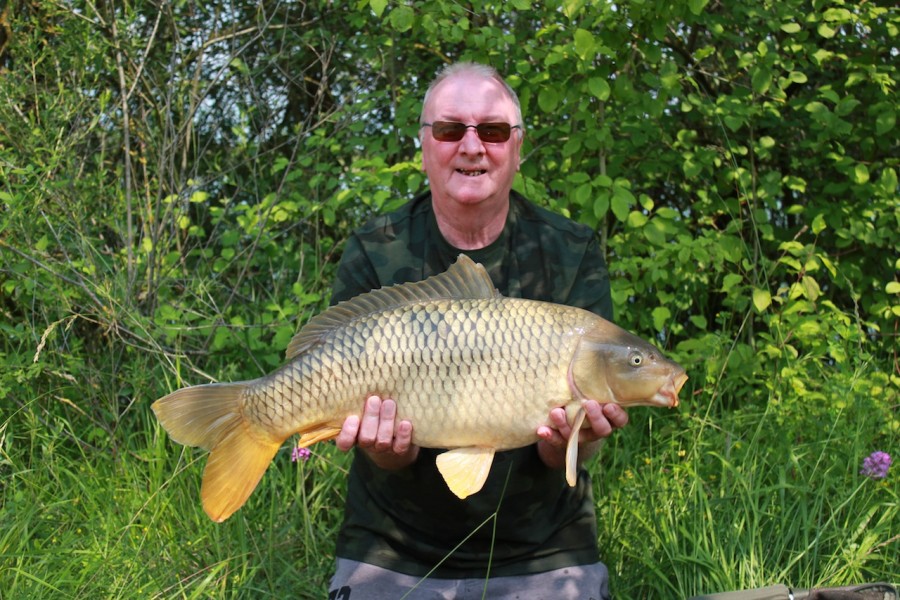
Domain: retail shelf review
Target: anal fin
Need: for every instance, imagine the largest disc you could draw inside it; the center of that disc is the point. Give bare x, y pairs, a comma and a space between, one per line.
320, 434
465, 469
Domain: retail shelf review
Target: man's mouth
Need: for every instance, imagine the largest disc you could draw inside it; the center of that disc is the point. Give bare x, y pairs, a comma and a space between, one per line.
472, 172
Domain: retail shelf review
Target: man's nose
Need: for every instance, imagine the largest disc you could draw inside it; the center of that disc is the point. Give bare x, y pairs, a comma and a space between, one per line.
471, 143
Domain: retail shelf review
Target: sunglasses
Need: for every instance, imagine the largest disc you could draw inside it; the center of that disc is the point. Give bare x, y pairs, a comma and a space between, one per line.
451, 131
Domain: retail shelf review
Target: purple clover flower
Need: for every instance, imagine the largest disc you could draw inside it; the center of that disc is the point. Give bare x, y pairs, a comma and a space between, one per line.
876, 465
300, 454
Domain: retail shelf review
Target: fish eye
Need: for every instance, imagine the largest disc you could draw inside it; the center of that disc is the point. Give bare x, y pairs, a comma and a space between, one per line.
635, 359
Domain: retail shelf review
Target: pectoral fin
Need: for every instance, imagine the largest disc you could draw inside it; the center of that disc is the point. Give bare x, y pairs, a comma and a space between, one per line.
465, 469
572, 448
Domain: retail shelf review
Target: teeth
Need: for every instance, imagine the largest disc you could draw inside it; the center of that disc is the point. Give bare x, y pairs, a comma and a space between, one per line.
470, 173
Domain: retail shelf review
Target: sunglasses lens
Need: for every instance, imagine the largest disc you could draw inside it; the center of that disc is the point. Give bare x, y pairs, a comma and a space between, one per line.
493, 132
448, 131
451, 131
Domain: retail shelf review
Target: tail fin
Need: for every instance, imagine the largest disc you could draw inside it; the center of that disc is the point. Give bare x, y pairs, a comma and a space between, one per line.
210, 417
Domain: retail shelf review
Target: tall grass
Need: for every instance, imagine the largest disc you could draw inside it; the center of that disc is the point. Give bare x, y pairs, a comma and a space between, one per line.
123, 520
714, 499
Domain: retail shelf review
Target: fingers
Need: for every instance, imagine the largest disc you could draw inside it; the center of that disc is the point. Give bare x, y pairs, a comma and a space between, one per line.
376, 431
557, 432
560, 420
377, 427
602, 420
346, 439
402, 438
616, 415
599, 424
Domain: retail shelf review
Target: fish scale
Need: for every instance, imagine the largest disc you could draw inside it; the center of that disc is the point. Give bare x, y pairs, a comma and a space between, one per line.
416, 357
473, 371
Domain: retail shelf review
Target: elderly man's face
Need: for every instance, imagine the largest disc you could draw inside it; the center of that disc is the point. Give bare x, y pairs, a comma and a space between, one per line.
470, 171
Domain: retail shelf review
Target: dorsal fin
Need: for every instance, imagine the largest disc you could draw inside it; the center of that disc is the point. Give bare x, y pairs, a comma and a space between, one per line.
464, 279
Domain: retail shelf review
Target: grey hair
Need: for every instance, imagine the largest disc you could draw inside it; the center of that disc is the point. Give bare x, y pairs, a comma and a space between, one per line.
486, 71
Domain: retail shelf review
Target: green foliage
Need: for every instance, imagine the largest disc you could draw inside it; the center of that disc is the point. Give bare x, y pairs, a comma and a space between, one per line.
176, 187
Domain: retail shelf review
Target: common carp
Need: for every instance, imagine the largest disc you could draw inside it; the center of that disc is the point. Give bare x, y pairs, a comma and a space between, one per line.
472, 370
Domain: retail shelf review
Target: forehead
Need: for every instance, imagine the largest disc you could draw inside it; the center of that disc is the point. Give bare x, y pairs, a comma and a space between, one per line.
470, 95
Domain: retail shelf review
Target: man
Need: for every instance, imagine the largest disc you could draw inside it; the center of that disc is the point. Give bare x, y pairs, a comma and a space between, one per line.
526, 533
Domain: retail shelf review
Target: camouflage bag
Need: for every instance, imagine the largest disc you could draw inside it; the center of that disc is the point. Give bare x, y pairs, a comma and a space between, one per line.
868, 591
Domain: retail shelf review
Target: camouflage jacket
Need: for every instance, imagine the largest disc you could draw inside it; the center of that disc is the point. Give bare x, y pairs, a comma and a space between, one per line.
408, 520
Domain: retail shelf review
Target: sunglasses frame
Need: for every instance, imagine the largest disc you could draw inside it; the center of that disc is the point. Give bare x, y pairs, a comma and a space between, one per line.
505, 131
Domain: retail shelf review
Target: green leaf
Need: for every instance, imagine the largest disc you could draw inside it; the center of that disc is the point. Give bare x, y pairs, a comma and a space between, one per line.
601, 204
888, 182
885, 121
636, 219
893, 287
578, 177
818, 224
811, 288
279, 164
603, 181
583, 194
548, 98
790, 27
828, 265
691, 168
762, 299
733, 122
572, 7
696, 6
846, 106
572, 146
821, 55
584, 43
661, 316
378, 7
622, 201
402, 18
825, 31
699, 321
791, 262
730, 280
860, 174
654, 232
240, 66
838, 14
761, 80
794, 183
599, 88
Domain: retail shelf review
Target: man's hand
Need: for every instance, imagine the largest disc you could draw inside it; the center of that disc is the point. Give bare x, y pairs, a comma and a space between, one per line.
603, 419
386, 442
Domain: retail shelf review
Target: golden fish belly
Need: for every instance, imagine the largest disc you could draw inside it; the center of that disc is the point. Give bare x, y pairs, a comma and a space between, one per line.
480, 372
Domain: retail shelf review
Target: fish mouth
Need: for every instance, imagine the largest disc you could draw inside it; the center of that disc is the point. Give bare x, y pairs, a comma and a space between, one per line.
669, 392
471, 172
